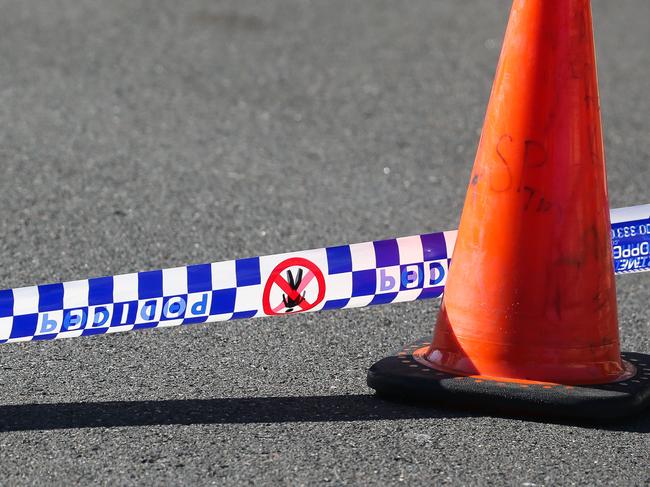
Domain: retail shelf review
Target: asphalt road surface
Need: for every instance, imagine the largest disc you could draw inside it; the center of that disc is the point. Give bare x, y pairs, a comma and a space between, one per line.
147, 134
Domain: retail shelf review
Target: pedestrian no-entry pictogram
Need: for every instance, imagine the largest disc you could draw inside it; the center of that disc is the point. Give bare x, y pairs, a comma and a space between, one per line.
295, 285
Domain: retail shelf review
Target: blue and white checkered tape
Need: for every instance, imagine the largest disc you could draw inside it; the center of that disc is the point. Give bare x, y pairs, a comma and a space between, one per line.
347, 276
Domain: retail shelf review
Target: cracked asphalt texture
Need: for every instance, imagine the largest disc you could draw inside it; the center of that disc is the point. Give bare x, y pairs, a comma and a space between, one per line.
142, 134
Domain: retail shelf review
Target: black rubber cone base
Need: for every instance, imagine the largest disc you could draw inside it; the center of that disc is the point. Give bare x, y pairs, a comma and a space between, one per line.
401, 377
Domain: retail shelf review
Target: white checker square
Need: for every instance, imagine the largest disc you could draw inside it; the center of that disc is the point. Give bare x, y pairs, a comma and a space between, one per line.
120, 328
363, 256
359, 301
19, 339
174, 281
219, 317
405, 296
224, 275
25, 300
450, 241
5, 327
125, 288
169, 323
338, 286
70, 333
248, 298
410, 249
270, 262
75, 294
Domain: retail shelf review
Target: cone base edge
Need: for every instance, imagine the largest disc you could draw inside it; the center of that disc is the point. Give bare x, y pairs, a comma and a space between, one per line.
400, 376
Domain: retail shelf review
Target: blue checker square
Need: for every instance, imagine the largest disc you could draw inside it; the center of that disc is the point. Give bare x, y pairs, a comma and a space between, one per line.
411, 276
339, 259
142, 326
50, 297
223, 301
248, 271
364, 283
119, 312
199, 278
336, 303
24, 326
94, 331
100, 290
242, 315
431, 292
386, 253
150, 284
383, 298
194, 321
6, 303
434, 246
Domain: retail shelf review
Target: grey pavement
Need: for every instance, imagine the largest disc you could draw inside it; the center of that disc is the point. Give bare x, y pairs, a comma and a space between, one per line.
141, 134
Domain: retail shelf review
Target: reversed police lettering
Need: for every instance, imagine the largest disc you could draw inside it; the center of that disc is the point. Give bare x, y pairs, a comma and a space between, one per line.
437, 273
198, 304
74, 319
386, 282
124, 314
101, 317
48, 325
411, 276
148, 310
174, 308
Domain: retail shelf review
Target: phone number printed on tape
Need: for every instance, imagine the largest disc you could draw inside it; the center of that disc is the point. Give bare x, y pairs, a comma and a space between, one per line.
631, 246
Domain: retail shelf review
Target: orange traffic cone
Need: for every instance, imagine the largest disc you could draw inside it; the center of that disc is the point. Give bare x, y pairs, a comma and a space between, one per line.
530, 300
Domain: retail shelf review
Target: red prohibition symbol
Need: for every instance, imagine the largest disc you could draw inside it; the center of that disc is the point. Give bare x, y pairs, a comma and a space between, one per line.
288, 276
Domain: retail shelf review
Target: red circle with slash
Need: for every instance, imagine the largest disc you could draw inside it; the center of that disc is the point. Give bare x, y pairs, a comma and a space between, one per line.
296, 295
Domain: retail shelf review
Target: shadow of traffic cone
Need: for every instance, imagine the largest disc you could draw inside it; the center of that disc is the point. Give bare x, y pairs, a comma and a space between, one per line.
528, 321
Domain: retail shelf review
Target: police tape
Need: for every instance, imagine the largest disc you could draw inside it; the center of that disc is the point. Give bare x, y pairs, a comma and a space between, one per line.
346, 276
